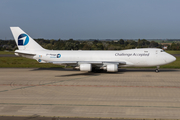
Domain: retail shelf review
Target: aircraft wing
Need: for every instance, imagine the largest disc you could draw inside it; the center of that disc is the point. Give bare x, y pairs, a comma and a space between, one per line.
88, 62
64, 62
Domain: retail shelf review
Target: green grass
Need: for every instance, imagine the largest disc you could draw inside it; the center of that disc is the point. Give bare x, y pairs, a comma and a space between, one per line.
6, 52
20, 62
175, 64
172, 52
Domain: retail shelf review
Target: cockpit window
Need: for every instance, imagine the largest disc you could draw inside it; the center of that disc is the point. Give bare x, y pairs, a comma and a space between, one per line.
162, 50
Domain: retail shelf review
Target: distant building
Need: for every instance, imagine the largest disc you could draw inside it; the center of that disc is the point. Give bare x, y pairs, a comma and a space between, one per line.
165, 45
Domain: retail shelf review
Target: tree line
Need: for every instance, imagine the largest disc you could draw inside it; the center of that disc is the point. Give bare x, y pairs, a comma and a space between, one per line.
90, 44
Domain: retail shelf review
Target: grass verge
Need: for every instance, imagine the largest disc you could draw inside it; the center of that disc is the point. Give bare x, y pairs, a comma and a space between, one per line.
7, 52
172, 52
175, 64
20, 62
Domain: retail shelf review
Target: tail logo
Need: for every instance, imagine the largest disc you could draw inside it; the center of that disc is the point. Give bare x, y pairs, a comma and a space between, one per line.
23, 39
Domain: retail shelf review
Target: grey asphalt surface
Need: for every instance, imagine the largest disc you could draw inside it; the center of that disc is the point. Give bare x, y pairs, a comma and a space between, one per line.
7, 55
36, 117
176, 55
130, 93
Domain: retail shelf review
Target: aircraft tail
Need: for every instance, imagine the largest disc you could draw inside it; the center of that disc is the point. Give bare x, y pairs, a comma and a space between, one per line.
23, 40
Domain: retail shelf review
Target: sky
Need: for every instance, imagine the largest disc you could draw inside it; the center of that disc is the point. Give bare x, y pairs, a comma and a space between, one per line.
92, 19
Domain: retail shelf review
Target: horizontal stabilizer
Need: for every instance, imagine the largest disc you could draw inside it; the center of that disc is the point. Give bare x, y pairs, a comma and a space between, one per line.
24, 54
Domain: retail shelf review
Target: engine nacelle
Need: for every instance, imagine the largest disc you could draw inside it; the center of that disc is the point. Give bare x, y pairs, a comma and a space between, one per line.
85, 67
112, 68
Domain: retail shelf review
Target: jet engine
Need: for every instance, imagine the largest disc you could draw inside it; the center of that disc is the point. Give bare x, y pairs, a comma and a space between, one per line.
112, 68
85, 67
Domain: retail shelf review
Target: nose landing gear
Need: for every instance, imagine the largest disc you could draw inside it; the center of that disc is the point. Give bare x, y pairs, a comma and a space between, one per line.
157, 69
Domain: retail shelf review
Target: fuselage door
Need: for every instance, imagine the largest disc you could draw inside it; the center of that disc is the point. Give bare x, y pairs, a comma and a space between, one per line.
156, 53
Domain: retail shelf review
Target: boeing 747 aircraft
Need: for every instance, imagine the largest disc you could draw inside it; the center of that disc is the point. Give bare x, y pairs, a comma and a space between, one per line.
88, 60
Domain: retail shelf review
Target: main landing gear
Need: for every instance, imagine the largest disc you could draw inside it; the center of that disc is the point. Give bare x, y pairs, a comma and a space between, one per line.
157, 69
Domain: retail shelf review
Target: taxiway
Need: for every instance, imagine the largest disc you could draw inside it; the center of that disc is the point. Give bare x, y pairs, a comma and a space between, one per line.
130, 93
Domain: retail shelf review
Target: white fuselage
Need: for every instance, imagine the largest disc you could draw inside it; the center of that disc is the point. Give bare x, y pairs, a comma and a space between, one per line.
132, 57
88, 60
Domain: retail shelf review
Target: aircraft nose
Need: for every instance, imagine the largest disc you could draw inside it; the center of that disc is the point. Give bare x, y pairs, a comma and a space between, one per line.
172, 58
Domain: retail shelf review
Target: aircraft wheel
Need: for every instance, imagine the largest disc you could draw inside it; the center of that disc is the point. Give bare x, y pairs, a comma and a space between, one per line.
157, 70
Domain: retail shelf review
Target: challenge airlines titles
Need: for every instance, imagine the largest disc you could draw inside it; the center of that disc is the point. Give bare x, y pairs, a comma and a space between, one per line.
132, 54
